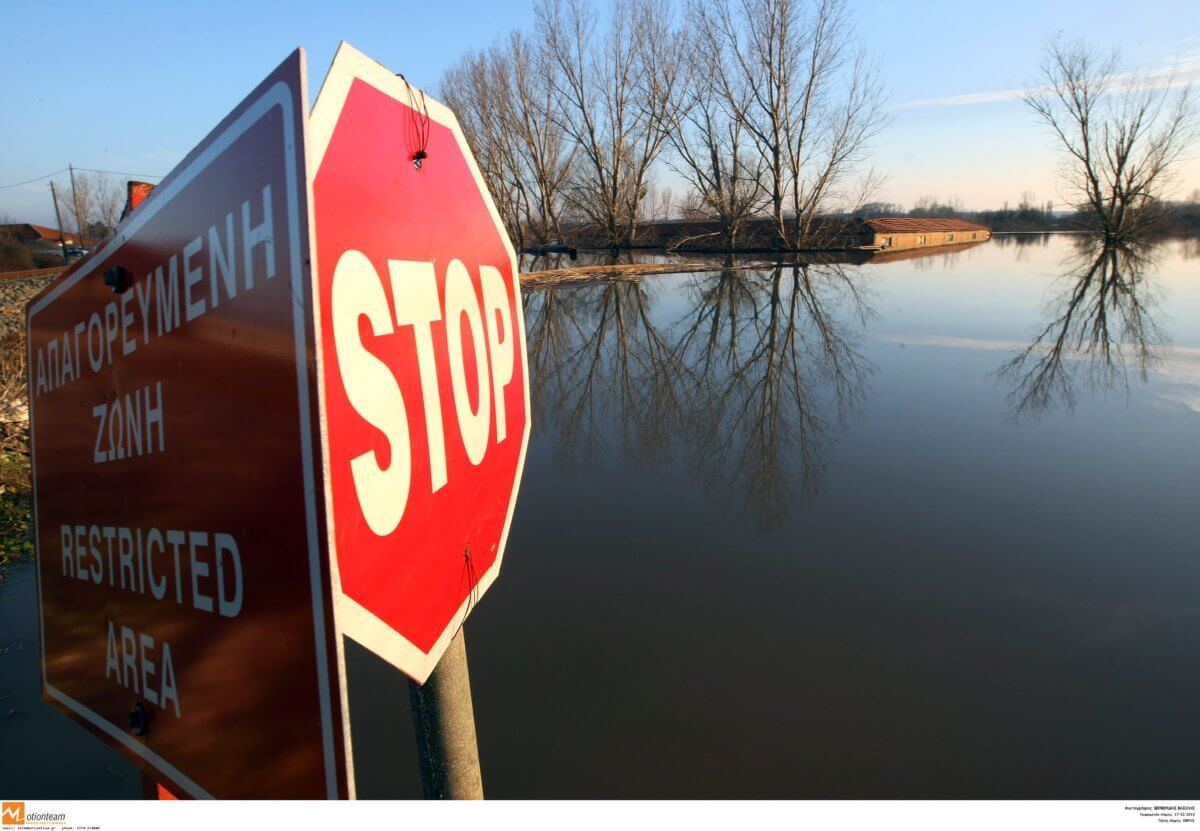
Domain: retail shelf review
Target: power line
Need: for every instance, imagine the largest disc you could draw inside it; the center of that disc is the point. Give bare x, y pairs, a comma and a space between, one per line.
122, 173
31, 181
89, 170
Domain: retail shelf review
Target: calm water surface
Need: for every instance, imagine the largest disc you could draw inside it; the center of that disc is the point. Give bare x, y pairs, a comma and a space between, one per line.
922, 528
801, 533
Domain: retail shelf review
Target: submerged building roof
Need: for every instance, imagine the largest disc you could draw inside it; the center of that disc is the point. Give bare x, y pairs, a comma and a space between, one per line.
919, 224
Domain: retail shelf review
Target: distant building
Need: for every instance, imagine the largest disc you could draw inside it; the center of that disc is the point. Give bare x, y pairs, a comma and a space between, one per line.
901, 232
829, 234
42, 237
895, 255
29, 233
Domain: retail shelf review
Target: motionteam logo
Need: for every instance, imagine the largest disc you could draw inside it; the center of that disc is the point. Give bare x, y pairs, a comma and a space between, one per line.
14, 813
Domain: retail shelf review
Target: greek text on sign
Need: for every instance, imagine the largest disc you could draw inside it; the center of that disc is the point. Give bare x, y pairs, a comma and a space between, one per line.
184, 602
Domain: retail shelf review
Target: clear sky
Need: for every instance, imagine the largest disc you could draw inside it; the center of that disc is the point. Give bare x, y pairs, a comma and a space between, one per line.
132, 86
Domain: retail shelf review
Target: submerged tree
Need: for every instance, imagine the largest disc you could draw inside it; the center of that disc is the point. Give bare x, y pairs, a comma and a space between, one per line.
1122, 135
713, 151
807, 96
614, 89
502, 97
765, 108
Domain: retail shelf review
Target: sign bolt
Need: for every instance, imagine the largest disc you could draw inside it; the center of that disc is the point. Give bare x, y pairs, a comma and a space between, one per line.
138, 719
118, 279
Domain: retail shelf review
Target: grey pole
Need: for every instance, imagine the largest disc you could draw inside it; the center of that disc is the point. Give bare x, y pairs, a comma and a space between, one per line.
79, 220
444, 721
62, 244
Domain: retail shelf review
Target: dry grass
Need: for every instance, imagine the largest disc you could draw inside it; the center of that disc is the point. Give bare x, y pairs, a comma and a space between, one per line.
16, 536
14, 403
16, 542
601, 273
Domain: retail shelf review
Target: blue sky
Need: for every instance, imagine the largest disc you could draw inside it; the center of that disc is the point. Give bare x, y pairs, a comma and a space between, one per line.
132, 86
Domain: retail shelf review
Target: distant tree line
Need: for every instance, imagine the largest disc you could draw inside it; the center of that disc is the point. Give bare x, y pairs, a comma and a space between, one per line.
764, 108
1180, 216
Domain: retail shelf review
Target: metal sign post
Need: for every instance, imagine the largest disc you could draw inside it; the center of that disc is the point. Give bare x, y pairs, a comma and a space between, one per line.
444, 721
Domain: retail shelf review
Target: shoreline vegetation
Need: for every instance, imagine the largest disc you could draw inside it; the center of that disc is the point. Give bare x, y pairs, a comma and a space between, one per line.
16, 541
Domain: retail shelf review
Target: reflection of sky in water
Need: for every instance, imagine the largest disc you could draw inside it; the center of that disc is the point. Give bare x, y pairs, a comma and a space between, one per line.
968, 602
989, 293
931, 307
675, 358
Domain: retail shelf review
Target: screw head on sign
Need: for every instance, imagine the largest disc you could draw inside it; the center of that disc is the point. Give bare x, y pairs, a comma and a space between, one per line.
138, 719
117, 278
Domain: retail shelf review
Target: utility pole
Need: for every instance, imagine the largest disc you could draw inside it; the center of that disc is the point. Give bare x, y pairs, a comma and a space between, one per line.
79, 219
62, 244
444, 720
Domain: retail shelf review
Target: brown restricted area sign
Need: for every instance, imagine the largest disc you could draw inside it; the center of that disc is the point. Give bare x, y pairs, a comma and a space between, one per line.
177, 477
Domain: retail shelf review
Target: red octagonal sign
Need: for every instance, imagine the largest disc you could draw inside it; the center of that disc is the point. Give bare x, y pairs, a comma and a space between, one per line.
421, 363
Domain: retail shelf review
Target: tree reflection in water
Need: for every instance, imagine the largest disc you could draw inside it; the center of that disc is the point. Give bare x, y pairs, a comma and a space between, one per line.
1101, 327
747, 384
597, 358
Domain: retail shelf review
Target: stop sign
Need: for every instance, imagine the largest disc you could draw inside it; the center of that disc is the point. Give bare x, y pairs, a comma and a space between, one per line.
424, 385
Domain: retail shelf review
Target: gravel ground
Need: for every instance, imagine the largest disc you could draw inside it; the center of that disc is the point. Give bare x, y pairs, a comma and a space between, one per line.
14, 294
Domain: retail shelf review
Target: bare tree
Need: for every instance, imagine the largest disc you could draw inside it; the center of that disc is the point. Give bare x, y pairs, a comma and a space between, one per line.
548, 156
614, 91
93, 206
1122, 135
502, 98
807, 96
478, 95
656, 205
712, 150
760, 105
77, 205
109, 199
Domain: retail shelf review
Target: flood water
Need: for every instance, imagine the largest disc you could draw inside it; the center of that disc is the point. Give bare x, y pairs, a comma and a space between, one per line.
911, 529
798, 533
